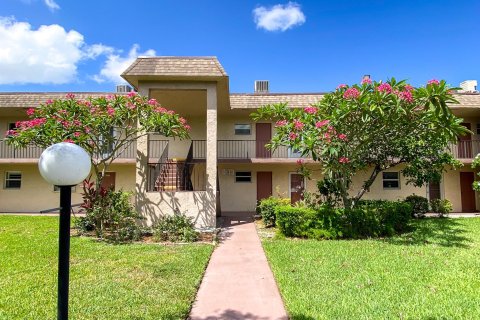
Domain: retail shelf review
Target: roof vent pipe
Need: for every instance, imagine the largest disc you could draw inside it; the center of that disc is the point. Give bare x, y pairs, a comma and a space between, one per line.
261, 86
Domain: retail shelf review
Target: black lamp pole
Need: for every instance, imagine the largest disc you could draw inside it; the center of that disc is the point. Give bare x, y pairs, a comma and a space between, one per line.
64, 252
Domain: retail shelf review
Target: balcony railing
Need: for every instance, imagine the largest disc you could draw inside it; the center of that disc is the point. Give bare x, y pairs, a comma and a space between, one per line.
465, 149
242, 149
34, 152
156, 147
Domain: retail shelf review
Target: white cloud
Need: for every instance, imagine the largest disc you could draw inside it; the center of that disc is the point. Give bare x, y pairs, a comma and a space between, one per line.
279, 17
52, 5
116, 64
46, 55
51, 55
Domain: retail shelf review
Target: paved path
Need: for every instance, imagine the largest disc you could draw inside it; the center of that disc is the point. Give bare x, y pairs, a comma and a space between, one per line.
238, 282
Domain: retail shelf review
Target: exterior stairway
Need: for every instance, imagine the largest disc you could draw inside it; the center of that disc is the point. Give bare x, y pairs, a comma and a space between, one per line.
171, 177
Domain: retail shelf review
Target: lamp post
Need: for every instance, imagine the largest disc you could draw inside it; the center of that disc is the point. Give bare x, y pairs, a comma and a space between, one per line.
64, 165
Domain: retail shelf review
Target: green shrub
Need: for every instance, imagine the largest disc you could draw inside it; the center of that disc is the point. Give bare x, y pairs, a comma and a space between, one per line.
441, 206
109, 214
266, 208
419, 205
370, 219
175, 228
308, 223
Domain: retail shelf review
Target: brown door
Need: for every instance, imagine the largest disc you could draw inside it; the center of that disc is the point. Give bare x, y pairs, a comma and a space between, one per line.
465, 144
264, 185
296, 187
108, 181
467, 193
263, 136
434, 190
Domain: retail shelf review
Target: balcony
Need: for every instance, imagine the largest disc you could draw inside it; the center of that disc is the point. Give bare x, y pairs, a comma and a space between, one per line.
31, 153
228, 150
465, 149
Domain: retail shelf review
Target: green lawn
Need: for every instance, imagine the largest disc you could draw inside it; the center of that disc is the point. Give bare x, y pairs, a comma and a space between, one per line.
134, 281
430, 273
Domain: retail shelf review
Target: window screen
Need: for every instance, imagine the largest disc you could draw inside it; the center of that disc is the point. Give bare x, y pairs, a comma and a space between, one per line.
243, 129
391, 180
243, 176
13, 180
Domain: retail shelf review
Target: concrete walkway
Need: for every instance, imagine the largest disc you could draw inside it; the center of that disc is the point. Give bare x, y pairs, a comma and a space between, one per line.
238, 282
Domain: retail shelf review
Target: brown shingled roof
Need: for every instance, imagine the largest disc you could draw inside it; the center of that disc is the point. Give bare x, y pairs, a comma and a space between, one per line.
255, 100
33, 99
176, 66
467, 100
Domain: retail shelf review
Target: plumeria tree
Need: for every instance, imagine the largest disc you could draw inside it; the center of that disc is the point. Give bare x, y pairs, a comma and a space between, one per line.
371, 127
104, 126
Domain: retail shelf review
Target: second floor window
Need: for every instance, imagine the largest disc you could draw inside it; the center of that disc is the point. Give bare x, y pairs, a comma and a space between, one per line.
243, 129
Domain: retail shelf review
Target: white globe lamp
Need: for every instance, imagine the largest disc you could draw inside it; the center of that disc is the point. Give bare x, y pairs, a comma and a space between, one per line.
65, 165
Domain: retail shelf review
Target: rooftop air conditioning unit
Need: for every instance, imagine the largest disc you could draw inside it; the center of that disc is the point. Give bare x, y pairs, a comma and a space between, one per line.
469, 85
261, 86
123, 88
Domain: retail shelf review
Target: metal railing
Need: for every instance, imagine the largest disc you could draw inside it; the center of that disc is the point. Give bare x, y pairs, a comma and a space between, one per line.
34, 152
156, 147
177, 176
465, 149
242, 149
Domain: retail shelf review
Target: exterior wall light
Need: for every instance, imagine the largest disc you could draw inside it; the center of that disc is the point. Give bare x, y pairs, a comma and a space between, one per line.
64, 165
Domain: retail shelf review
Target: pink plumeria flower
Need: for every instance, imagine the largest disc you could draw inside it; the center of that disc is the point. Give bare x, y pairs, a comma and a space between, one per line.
342, 85
342, 137
343, 160
281, 123
367, 81
322, 123
310, 110
292, 135
300, 161
433, 81
351, 93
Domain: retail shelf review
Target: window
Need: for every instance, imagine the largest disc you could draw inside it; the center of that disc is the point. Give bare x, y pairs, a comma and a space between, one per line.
12, 126
243, 129
13, 180
243, 176
478, 128
391, 180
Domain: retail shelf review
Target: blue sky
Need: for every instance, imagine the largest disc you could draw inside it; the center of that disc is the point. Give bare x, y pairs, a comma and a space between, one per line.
302, 46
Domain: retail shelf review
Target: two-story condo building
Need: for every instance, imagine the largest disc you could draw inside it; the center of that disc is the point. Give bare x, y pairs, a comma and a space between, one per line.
225, 167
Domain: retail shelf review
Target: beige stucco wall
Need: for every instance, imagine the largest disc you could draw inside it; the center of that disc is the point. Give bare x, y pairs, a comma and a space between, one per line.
242, 196
36, 194
450, 188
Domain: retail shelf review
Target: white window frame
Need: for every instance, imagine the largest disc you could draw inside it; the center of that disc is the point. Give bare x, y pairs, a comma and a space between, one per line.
7, 178
242, 124
244, 176
390, 179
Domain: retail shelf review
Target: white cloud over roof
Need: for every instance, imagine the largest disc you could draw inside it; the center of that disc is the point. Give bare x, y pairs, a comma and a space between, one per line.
51, 55
279, 17
116, 64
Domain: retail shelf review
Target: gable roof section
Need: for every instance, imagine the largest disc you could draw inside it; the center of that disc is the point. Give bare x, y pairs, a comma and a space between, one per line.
255, 100
34, 99
176, 66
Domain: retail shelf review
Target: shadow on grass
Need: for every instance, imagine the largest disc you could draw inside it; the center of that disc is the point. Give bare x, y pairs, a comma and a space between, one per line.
443, 232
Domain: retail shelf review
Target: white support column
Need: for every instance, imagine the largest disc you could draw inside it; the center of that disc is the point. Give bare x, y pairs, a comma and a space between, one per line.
211, 159
141, 167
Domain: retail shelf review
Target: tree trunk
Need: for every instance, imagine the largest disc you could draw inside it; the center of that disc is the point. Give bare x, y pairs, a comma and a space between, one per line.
367, 184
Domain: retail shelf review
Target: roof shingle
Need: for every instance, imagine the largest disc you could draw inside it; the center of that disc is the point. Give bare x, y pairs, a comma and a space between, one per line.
34, 99
175, 66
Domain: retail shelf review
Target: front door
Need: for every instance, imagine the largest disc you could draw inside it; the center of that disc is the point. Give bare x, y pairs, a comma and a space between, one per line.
264, 184
434, 190
108, 181
466, 191
297, 186
263, 133
465, 144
